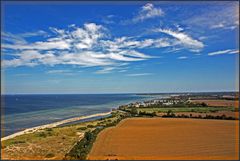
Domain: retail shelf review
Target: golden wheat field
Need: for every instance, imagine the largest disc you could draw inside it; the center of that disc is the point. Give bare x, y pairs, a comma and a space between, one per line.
168, 138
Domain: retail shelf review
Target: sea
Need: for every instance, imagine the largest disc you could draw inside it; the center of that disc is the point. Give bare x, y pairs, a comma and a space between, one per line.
19, 112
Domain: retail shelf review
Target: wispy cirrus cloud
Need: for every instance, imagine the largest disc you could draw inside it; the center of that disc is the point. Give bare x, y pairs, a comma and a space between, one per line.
216, 16
85, 46
12, 38
221, 52
37, 33
183, 38
129, 43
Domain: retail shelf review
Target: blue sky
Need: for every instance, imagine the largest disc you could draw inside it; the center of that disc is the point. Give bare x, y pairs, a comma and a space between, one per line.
120, 47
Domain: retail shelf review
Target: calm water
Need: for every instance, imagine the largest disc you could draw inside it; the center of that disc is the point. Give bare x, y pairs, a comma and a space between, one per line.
25, 111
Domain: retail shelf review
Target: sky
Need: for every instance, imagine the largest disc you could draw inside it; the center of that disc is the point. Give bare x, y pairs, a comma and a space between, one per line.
121, 47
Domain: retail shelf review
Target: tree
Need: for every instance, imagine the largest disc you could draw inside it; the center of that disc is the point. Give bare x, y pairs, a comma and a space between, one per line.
169, 112
204, 104
134, 111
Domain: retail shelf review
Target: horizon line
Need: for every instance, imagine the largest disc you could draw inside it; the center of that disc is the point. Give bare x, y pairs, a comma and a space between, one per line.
121, 93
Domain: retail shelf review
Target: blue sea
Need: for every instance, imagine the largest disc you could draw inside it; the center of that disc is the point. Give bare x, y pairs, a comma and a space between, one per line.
24, 111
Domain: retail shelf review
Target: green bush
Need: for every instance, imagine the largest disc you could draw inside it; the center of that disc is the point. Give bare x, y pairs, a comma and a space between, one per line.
18, 142
49, 129
203, 104
42, 134
82, 128
90, 126
134, 111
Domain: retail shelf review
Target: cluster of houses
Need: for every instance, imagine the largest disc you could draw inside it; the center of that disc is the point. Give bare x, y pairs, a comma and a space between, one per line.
164, 102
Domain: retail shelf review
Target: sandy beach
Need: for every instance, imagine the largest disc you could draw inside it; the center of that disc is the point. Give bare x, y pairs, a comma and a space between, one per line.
51, 125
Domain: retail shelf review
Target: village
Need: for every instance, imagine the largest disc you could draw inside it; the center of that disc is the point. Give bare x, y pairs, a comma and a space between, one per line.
168, 101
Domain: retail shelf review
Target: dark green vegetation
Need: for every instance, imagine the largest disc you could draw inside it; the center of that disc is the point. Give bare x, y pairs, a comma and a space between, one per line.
46, 133
170, 114
83, 147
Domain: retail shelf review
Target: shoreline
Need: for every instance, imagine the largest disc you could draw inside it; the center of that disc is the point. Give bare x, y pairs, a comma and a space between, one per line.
52, 125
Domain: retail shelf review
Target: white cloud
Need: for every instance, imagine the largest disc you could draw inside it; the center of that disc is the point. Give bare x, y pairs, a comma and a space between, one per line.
17, 62
75, 46
88, 36
139, 74
221, 52
184, 39
47, 45
87, 46
148, 11
126, 43
29, 55
182, 57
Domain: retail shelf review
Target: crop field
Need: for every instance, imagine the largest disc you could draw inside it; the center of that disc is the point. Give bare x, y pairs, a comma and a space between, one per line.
168, 138
222, 103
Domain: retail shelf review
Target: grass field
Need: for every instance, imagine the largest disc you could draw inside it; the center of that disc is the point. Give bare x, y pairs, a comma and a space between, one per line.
168, 138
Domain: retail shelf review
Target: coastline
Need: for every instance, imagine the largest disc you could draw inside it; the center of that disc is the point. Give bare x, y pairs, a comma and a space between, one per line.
51, 125
16, 120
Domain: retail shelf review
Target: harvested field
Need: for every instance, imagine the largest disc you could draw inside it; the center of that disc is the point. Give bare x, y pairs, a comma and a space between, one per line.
168, 138
219, 103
